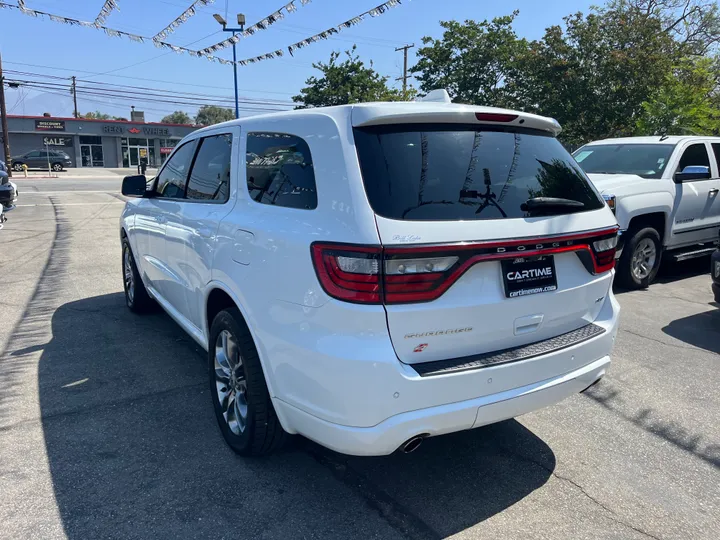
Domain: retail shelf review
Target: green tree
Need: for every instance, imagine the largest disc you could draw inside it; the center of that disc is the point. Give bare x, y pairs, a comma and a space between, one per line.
178, 117
595, 75
212, 114
474, 61
97, 115
687, 103
346, 82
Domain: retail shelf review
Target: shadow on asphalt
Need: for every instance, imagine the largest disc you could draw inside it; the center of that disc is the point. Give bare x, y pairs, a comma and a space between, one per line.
671, 271
700, 330
134, 451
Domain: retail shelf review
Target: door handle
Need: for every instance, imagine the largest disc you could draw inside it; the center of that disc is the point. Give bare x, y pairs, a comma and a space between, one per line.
160, 218
714, 191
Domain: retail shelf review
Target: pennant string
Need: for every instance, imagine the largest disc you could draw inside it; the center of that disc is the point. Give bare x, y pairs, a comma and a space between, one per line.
208, 52
184, 16
105, 11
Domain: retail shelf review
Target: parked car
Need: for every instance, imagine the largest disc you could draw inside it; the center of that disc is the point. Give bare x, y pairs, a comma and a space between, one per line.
370, 275
41, 159
664, 192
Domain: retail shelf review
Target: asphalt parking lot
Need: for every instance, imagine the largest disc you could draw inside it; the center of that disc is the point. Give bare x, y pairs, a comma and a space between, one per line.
106, 428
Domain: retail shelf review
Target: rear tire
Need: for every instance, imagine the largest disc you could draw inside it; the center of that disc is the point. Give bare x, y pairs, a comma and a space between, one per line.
17, 166
136, 296
240, 398
640, 260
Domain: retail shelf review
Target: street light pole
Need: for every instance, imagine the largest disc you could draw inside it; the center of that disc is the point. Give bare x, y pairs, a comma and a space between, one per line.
241, 23
237, 104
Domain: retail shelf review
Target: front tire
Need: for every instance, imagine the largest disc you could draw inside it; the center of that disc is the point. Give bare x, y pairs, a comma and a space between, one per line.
640, 259
57, 167
136, 296
240, 398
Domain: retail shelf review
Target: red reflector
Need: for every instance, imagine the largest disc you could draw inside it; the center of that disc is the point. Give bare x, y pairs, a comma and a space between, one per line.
495, 117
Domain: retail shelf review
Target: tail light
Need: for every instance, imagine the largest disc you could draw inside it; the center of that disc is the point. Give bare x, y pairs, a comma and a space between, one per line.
398, 275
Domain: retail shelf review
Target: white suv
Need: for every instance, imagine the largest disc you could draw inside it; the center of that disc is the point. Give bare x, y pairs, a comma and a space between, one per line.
370, 275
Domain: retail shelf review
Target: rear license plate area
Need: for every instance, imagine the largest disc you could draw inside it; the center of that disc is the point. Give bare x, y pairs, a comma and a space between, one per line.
523, 276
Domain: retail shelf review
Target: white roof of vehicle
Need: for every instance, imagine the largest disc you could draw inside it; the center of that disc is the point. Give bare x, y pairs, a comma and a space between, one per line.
655, 139
410, 112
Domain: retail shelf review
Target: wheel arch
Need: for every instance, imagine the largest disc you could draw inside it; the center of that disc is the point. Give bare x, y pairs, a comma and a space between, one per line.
656, 220
219, 296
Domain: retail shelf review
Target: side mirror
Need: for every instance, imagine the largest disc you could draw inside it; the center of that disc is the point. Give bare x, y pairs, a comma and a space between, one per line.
134, 186
692, 172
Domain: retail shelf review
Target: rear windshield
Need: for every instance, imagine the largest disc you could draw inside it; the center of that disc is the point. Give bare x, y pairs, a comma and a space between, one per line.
438, 172
646, 160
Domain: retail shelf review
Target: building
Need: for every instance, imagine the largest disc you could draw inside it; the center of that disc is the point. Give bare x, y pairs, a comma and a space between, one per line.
97, 143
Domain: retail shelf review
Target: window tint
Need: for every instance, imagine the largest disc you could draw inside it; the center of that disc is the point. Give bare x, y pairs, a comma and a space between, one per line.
35, 153
716, 151
280, 170
172, 179
695, 154
437, 172
210, 175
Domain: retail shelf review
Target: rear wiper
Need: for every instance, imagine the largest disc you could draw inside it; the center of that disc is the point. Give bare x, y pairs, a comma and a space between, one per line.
550, 203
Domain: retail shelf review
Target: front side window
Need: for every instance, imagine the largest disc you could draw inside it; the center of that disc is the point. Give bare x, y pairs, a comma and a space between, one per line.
280, 171
170, 183
450, 172
694, 155
210, 175
644, 160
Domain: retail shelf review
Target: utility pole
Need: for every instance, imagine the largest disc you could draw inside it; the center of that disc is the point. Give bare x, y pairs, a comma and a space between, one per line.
74, 93
405, 73
3, 113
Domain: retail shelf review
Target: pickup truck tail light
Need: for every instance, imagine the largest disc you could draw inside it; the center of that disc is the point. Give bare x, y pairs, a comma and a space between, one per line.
400, 275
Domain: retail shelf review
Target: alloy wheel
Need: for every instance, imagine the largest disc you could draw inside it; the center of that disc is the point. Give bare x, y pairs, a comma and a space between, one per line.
643, 259
230, 382
57, 167
128, 275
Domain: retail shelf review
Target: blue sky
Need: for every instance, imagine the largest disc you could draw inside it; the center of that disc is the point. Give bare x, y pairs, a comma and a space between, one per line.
27, 43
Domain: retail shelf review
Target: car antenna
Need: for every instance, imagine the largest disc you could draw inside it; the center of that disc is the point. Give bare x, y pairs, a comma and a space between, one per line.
663, 134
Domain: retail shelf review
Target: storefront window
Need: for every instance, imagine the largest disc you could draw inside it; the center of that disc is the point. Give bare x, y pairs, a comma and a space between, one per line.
134, 149
91, 151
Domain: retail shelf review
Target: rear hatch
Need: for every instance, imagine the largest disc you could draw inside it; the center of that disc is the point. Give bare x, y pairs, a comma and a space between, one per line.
492, 235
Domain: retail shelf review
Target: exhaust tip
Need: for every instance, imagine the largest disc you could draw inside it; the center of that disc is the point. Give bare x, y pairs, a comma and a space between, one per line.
412, 444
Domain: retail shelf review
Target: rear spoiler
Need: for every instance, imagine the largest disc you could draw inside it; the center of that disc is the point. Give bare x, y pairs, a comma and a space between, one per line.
435, 108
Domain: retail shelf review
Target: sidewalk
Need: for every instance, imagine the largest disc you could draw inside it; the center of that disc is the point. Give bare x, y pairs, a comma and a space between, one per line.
83, 172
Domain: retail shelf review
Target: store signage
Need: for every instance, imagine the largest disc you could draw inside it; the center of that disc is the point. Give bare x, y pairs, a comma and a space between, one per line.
57, 141
156, 131
166, 149
133, 130
49, 125
143, 152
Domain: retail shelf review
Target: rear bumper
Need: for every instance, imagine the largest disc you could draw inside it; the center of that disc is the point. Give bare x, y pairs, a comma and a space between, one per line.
405, 404
387, 436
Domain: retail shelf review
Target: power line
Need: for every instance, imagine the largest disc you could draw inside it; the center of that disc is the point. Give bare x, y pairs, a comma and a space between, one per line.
147, 79
144, 91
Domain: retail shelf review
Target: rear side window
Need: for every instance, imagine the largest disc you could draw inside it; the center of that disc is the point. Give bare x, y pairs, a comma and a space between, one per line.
280, 171
716, 151
171, 181
695, 154
451, 172
210, 175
